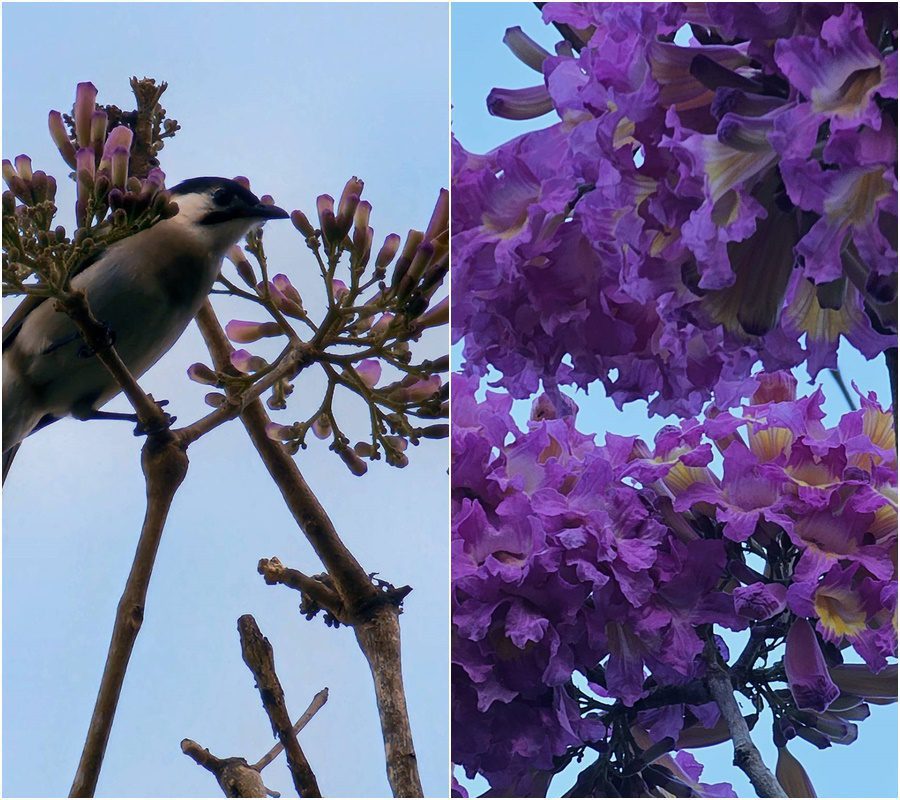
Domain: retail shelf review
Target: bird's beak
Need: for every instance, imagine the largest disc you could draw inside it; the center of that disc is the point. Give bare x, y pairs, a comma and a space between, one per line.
263, 211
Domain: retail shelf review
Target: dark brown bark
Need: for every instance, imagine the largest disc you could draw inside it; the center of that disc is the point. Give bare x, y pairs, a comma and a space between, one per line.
259, 658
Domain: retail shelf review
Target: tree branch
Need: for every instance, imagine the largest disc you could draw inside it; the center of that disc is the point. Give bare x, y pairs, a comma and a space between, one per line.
235, 776
165, 465
746, 756
258, 657
372, 614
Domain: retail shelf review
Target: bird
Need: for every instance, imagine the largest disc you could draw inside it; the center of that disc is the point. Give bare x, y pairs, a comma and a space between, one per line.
145, 288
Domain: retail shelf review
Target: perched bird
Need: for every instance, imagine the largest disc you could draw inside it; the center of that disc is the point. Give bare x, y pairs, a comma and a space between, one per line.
146, 289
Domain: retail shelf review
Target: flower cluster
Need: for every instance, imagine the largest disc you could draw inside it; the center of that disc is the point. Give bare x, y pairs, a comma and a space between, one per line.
371, 319
116, 196
588, 582
718, 190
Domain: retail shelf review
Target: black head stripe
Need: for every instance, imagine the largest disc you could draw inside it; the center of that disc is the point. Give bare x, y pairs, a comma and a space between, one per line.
200, 185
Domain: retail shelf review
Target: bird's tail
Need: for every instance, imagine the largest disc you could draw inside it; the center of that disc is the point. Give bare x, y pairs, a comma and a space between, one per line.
20, 416
8, 457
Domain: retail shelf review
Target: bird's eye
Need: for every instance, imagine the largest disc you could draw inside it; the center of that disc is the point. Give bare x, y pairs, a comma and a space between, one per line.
221, 197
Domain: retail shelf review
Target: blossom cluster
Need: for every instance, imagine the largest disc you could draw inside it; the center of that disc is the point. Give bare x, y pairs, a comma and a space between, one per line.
589, 582
718, 190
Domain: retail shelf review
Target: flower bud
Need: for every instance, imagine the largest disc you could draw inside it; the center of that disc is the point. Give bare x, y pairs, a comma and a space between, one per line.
440, 217
99, 121
523, 47
346, 212
120, 136
302, 224
236, 256
118, 166
245, 332
61, 139
354, 463
327, 221
9, 171
413, 240
388, 251
278, 432
380, 328
200, 373
369, 371
364, 449
244, 361
529, 103
438, 315
214, 399
243, 180
435, 432
85, 105
791, 775
339, 291
284, 285
362, 245
322, 427
23, 167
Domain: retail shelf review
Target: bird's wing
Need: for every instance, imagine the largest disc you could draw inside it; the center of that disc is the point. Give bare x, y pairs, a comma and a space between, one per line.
13, 324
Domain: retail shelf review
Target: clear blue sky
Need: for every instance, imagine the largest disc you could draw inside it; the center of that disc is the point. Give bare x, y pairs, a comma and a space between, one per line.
298, 98
481, 62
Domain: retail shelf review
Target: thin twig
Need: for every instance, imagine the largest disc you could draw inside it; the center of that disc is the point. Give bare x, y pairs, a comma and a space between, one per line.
258, 657
319, 700
165, 465
839, 380
746, 756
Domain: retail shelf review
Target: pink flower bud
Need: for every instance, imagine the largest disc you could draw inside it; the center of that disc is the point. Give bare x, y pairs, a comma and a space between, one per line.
437, 315
398, 443
245, 361
388, 251
354, 463
302, 224
363, 449
61, 139
99, 121
245, 332
9, 171
279, 432
118, 167
369, 371
120, 136
361, 217
236, 256
23, 167
200, 373
85, 105
440, 217
214, 399
243, 180
322, 427
339, 291
284, 285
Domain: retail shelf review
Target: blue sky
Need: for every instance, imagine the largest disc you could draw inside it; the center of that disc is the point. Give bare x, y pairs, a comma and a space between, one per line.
481, 62
298, 98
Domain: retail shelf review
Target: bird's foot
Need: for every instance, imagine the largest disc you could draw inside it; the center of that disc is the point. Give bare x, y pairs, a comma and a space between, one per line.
109, 339
158, 426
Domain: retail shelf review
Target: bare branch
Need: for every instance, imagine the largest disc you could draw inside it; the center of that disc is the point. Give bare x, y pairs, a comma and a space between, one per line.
371, 612
165, 465
746, 755
234, 775
258, 657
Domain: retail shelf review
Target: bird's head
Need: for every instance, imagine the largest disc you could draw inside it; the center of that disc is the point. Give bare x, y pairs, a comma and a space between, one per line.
222, 209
